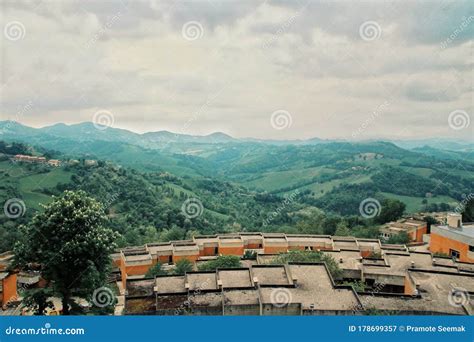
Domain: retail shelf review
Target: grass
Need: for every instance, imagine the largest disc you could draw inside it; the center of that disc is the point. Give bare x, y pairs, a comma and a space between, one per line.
419, 171
271, 181
31, 183
414, 204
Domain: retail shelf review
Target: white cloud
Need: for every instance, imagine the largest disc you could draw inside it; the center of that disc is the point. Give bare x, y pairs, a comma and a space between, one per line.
254, 58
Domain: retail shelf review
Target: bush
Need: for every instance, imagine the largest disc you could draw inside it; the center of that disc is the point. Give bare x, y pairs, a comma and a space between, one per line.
155, 271
183, 266
310, 256
225, 261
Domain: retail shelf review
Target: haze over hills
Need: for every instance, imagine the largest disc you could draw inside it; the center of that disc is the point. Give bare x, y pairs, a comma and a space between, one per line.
87, 131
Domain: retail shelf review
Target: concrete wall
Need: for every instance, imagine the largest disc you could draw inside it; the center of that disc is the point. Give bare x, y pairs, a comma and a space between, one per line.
292, 309
242, 310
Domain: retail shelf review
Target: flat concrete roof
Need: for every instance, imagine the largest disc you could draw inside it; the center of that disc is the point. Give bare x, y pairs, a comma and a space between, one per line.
251, 236
170, 284
180, 248
160, 248
142, 287
436, 288
271, 275
210, 299
235, 278
138, 258
308, 239
465, 233
314, 290
350, 259
396, 304
241, 297
202, 281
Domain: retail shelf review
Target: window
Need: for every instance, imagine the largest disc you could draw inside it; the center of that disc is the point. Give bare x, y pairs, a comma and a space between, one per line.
454, 254
471, 248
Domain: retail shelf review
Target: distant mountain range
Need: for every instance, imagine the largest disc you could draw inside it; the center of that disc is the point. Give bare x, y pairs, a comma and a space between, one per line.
87, 132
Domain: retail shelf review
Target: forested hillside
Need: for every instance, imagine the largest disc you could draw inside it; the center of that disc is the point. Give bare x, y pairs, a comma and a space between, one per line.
305, 186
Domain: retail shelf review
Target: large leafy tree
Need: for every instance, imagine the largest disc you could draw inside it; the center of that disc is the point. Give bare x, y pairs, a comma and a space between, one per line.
392, 210
72, 245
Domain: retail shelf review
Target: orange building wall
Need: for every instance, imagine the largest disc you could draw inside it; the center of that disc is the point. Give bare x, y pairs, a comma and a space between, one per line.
443, 244
239, 251
164, 259
275, 250
296, 248
192, 258
137, 270
132, 270
253, 245
9, 289
409, 289
420, 232
365, 253
208, 251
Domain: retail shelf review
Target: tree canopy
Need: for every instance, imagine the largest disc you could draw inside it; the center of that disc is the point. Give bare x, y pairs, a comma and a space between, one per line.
71, 244
224, 261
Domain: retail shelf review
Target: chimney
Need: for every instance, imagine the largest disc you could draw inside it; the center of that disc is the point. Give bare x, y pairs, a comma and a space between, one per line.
186, 286
412, 264
255, 281
454, 220
295, 281
341, 260
219, 284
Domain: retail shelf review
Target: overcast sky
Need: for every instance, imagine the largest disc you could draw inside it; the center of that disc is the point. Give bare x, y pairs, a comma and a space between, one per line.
265, 69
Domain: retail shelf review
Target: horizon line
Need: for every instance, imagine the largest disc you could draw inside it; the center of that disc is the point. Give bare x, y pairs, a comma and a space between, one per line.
334, 139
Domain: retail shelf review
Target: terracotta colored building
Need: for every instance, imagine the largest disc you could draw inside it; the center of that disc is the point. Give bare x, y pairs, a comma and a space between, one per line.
8, 288
8, 280
134, 262
414, 228
455, 239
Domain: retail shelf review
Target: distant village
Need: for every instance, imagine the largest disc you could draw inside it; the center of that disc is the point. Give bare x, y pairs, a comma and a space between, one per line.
51, 162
